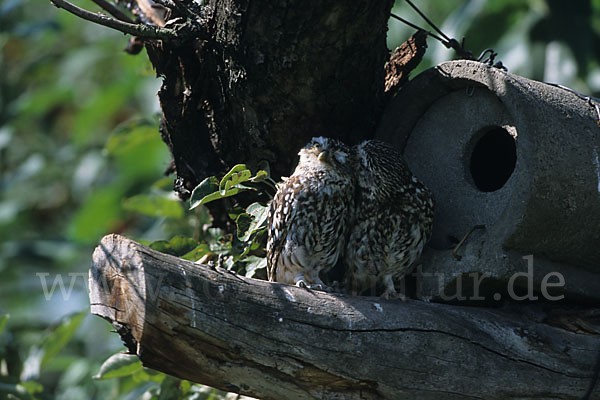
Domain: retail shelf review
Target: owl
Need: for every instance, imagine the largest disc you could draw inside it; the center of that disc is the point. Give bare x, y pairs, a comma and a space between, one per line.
309, 216
393, 220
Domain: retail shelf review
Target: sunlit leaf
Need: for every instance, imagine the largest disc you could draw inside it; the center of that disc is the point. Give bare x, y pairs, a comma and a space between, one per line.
237, 175
185, 386
260, 176
119, 365
154, 206
254, 264
260, 213
252, 221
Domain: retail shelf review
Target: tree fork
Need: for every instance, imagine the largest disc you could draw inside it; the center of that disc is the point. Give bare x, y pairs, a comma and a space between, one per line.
273, 341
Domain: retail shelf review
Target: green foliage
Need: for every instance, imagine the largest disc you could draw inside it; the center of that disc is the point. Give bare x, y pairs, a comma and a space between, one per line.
119, 365
237, 180
57, 338
243, 251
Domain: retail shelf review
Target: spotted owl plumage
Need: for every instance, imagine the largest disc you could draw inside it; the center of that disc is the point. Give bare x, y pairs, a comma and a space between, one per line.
309, 216
394, 217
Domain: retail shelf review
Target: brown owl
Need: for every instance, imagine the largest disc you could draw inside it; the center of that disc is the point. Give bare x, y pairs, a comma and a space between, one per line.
393, 219
310, 215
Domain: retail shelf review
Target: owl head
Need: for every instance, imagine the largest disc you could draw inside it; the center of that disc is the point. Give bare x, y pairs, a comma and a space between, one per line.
325, 153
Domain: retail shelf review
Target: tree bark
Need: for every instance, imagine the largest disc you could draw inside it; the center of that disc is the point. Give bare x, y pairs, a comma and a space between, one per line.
270, 76
276, 341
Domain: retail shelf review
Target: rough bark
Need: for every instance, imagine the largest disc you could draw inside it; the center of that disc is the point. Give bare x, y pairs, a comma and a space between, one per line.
275, 341
271, 76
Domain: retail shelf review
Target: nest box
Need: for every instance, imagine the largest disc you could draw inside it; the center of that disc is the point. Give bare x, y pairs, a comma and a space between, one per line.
519, 157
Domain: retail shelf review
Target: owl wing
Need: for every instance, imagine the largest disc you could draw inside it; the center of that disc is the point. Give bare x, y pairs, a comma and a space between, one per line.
280, 214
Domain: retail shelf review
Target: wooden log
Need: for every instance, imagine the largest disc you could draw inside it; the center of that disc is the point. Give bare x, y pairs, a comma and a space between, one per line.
275, 341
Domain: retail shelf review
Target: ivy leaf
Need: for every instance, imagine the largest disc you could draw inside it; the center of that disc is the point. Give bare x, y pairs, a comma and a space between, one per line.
119, 365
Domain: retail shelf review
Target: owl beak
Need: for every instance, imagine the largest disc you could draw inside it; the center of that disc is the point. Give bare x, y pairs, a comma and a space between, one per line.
324, 156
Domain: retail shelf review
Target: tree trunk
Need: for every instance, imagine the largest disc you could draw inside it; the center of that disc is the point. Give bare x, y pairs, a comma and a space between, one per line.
275, 341
268, 77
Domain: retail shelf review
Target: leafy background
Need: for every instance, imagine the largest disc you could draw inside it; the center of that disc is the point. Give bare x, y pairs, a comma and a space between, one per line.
80, 157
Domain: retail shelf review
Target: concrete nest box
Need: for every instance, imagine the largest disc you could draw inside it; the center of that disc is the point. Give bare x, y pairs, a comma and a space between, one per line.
518, 156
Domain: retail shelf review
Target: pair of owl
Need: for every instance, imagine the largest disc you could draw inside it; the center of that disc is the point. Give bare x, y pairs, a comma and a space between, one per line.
359, 205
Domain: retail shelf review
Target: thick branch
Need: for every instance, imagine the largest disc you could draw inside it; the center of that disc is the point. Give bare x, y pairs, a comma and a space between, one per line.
276, 341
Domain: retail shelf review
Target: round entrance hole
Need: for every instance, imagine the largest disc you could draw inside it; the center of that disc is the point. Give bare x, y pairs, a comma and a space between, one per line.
493, 159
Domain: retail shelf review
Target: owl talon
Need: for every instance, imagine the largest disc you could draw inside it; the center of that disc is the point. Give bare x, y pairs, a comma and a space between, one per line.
316, 286
322, 287
302, 284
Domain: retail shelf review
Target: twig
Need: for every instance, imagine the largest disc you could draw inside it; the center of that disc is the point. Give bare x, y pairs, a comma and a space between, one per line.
113, 10
143, 31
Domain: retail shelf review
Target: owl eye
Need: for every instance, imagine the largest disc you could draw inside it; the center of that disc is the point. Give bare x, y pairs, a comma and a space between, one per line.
340, 156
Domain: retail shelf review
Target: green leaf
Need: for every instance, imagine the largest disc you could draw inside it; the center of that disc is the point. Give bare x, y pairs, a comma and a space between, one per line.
170, 389
238, 174
243, 222
259, 214
53, 343
3, 319
255, 264
154, 206
197, 253
185, 386
260, 176
177, 246
119, 365
201, 193
32, 387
